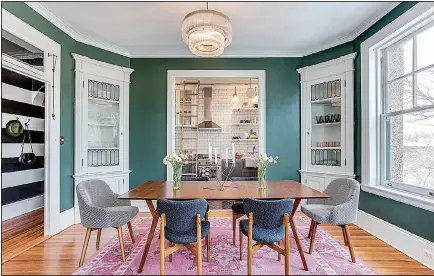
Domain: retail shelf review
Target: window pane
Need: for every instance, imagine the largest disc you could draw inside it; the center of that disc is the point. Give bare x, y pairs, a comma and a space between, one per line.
400, 59
400, 94
425, 46
410, 149
22, 51
425, 87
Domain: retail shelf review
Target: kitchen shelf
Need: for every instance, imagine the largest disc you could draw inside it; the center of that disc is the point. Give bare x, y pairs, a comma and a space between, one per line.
102, 100
331, 148
102, 148
104, 125
245, 124
245, 108
256, 139
191, 94
187, 116
327, 124
185, 102
187, 126
188, 104
327, 101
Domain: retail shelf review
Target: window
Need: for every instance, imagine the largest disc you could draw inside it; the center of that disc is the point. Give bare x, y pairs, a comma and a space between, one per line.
406, 136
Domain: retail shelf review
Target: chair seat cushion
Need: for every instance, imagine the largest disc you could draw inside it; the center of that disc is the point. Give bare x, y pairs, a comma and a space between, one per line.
238, 208
120, 215
318, 212
262, 234
188, 236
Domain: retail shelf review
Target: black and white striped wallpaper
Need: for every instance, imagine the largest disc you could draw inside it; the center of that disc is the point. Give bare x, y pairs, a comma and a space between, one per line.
21, 100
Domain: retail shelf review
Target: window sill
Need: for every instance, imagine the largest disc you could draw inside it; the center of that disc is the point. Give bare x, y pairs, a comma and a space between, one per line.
401, 196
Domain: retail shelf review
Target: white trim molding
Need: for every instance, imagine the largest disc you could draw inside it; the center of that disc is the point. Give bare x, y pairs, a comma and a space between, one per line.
246, 74
409, 21
24, 31
408, 243
159, 53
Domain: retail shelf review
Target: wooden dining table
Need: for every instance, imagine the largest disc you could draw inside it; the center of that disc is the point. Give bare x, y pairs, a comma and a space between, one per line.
210, 190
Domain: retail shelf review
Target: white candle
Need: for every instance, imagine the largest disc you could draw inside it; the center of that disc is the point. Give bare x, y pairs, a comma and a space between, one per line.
209, 151
215, 153
227, 153
233, 153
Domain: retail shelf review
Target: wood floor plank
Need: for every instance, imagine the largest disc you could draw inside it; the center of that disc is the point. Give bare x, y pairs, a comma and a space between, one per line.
60, 254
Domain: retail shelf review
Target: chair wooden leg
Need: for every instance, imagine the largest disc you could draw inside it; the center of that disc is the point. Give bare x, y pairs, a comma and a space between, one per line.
86, 242
170, 256
350, 246
241, 245
162, 240
287, 250
278, 254
312, 239
345, 236
234, 227
199, 245
250, 246
130, 228
121, 243
310, 229
208, 243
98, 238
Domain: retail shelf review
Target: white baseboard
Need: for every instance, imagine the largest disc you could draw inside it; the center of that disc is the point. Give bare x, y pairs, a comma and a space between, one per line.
143, 207
21, 207
66, 219
406, 242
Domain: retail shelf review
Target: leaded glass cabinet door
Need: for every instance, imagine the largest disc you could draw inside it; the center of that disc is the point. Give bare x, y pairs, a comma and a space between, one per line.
103, 135
326, 130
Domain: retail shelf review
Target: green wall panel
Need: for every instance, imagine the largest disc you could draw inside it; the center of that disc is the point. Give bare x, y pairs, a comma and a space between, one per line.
148, 112
412, 219
67, 88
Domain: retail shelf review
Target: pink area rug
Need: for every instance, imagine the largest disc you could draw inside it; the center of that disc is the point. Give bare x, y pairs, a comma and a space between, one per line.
329, 258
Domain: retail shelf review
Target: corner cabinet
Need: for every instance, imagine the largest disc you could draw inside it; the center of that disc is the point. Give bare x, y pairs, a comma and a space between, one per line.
101, 124
327, 121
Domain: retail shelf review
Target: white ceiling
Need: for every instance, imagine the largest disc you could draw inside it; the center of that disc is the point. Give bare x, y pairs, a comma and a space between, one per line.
260, 29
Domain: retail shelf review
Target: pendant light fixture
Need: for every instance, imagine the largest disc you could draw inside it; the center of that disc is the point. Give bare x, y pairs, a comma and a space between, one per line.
207, 32
250, 92
235, 98
255, 98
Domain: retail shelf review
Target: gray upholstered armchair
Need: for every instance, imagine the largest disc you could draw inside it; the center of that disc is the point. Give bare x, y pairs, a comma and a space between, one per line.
100, 208
340, 209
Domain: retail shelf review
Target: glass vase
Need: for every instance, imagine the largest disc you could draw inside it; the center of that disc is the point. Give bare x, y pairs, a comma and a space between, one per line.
177, 177
262, 171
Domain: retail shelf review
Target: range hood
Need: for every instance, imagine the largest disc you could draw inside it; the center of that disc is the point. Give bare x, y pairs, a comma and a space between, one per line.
207, 111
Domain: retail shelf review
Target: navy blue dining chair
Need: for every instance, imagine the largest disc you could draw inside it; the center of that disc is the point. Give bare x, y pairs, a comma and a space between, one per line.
238, 207
267, 224
182, 225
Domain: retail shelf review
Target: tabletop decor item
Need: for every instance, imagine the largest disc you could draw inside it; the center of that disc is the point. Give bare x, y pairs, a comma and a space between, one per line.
176, 161
263, 162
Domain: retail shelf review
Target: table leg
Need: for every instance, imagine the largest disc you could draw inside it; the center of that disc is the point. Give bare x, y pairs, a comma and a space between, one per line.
294, 231
155, 218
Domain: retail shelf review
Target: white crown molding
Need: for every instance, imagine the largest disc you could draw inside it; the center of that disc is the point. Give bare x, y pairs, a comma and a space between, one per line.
59, 23
328, 63
184, 54
355, 33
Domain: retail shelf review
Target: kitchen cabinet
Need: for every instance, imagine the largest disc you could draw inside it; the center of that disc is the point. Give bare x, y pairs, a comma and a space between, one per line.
327, 120
101, 124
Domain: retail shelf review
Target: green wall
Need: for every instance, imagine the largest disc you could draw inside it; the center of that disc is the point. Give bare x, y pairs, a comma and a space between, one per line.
67, 89
148, 112
412, 219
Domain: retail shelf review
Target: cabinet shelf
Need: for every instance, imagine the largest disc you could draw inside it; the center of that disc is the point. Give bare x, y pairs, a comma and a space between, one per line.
256, 139
330, 148
103, 125
327, 101
245, 124
102, 100
187, 116
327, 124
245, 108
103, 148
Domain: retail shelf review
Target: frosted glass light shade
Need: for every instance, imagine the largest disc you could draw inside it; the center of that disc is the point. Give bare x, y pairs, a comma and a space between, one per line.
207, 32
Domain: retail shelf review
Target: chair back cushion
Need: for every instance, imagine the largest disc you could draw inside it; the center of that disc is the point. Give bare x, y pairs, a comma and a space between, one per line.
181, 214
268, 214
94, 192
245, 178
343, 190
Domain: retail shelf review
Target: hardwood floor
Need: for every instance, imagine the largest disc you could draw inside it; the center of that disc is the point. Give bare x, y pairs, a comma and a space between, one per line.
60, 254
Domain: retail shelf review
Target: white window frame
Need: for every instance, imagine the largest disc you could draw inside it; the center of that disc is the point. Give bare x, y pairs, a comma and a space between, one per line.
371, 84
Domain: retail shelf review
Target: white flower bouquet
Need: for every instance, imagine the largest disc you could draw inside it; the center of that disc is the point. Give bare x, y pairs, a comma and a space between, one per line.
263, 162
176, 161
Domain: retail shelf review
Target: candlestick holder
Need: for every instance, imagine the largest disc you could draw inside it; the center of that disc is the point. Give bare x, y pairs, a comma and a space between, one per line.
226, 183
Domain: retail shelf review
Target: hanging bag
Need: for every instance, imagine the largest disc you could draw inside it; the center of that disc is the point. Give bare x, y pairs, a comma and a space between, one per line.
28, 158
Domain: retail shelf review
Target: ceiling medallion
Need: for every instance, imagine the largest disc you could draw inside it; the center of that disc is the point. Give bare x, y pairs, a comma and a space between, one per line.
207, 32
